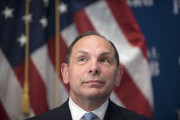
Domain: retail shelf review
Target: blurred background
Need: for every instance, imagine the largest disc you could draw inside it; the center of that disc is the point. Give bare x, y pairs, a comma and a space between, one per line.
35, 35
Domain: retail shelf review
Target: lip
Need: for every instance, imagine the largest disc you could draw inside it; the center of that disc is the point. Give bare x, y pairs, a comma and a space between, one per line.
94, 82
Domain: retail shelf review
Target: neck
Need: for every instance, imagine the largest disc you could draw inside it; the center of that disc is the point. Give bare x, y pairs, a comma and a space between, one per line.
88, 104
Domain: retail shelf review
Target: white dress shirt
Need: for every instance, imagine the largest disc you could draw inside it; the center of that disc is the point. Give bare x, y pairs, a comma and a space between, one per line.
78, 112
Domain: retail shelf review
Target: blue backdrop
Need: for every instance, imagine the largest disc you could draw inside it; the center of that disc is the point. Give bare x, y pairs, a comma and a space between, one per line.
159, 21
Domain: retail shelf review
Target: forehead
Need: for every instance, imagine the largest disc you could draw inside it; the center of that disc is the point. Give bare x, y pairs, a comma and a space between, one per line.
93, 42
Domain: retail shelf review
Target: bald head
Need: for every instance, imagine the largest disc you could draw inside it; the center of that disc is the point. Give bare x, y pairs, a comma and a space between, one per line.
68, 55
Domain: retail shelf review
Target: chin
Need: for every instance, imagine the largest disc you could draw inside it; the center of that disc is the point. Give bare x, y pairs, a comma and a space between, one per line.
94, 95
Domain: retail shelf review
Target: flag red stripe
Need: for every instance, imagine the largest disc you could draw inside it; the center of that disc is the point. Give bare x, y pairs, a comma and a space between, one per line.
82, 22
37, 90
3, 114
38, 96
63, 50
128, 24
131, 97
19, 72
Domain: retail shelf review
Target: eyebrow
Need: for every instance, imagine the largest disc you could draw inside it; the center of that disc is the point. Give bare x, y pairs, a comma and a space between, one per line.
83, 52
105, 53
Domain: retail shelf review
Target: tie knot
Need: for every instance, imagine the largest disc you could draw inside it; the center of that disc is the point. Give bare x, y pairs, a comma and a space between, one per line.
90, 116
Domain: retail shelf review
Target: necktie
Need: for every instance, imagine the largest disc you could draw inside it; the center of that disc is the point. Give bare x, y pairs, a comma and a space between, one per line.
90, 116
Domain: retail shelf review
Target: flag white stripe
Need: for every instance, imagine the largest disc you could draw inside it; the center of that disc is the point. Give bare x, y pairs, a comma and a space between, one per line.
43, 65
128, 53
64, 94
47, 72
10, 90
69, 34
31, 114
115, 99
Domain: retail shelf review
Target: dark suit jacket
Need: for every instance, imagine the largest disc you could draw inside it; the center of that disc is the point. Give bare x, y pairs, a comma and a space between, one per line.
113, 112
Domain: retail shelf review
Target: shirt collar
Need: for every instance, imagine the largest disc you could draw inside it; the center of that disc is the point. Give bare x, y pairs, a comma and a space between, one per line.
78, 112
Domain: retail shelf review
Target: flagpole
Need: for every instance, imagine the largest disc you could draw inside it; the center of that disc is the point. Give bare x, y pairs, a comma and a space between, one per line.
57, 52
26, 97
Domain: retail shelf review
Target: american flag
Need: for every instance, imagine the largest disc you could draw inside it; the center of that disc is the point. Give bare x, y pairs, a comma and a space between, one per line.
111, 18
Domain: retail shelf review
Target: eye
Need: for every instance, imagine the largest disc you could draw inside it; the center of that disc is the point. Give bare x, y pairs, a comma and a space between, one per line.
82, 59
104, 60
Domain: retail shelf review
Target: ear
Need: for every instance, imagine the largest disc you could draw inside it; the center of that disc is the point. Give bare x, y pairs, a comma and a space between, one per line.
64, 72
119, 76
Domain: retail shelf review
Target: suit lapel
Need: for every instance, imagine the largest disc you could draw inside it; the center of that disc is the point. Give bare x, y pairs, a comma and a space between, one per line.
112, 113
63, 112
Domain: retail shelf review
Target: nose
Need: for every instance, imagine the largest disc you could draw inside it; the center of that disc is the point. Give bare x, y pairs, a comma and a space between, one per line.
94, 68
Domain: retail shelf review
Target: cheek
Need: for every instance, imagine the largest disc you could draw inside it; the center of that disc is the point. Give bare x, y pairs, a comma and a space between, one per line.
75, 75
110, 75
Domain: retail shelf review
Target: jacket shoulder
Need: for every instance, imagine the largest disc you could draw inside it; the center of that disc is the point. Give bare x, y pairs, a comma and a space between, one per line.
119, 113
59, 113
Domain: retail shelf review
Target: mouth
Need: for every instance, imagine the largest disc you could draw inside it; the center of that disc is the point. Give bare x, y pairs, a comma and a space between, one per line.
94, 83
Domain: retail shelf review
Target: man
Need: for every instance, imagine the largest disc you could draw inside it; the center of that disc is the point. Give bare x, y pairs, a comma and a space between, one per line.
92, 70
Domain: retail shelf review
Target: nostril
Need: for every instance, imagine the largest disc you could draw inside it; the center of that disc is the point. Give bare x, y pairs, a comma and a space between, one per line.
94, 72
